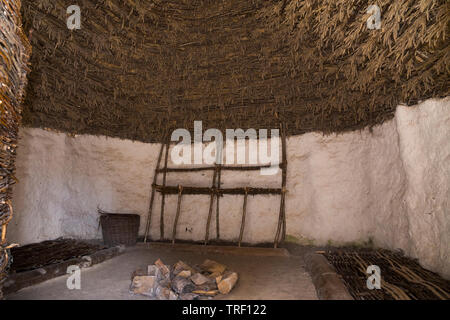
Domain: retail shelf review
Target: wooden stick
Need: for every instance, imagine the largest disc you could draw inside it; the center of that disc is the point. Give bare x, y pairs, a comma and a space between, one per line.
152, 197
217, 204
222, 191
3, 238
211, 202
180, 194
283, 233
228, 168
281, 217
5, 223
161, 220
284, 177
244, 212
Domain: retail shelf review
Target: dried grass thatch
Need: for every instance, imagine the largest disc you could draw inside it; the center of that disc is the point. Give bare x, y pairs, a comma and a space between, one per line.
139, 68
14, 54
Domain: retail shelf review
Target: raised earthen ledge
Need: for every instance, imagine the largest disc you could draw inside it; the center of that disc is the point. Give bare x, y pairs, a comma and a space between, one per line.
250, 251
329, 285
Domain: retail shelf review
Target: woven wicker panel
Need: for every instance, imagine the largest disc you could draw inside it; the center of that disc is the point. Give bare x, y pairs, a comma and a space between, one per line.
14, 55
120, 228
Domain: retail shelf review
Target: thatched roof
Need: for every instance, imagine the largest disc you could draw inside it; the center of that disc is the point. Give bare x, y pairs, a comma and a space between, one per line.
138, 68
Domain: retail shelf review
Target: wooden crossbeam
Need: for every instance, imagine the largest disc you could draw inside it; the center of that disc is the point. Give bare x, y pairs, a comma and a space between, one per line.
220, 191
210, 168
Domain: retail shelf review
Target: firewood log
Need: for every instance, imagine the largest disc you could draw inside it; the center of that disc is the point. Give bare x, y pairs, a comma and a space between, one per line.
182, 285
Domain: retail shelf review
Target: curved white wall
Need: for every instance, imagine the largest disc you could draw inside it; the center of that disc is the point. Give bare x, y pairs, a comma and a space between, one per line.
391, 186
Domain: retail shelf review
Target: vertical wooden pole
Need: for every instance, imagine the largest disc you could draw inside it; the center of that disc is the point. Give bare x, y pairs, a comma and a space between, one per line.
180, 194
284, 177
161, 219
244, 212
152, 197
282, 215
217, 204
211, 202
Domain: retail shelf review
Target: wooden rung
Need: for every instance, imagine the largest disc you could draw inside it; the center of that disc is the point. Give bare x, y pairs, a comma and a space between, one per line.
220, 191
210, 168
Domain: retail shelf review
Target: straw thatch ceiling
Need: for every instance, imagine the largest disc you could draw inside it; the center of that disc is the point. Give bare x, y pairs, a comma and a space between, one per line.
137, 68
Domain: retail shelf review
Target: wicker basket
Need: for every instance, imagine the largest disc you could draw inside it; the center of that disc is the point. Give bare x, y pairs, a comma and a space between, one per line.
118, 228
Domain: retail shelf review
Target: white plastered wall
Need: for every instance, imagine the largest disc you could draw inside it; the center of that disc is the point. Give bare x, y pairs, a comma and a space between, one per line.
390, 186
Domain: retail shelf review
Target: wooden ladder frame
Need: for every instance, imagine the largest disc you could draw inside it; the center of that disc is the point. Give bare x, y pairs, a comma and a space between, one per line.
215, 191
